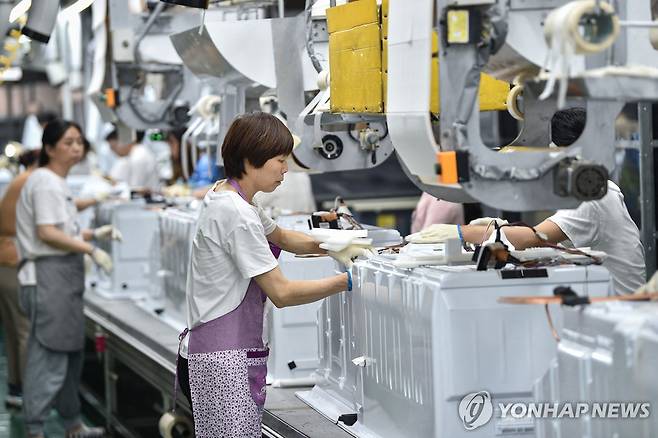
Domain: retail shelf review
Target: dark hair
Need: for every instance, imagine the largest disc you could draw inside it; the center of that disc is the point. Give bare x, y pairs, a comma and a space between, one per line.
256, 137
28, 158
87, 146
46, 117
114, 135
567, 125
52, 133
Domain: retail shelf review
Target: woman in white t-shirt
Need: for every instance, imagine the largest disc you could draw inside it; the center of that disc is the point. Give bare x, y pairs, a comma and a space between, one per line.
51, 277
233, 269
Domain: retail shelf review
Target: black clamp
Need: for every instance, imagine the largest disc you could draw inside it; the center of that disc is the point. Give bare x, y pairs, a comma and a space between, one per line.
569, 297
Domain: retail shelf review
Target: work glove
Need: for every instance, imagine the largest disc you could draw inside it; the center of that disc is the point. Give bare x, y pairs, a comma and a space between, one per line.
102, 259
436, 233
101, 196
650, 286
347, 255
486, 221
108, 232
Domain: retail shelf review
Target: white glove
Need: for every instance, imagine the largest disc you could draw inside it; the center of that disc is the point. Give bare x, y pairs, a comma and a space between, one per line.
436, 233
347, 255
107, 232
486, 221
102, 259
650, 286
101, 196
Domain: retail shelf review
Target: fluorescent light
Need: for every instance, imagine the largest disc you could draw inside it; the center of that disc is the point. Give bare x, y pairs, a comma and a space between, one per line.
10, 150
74, 9
12, 74
19, 10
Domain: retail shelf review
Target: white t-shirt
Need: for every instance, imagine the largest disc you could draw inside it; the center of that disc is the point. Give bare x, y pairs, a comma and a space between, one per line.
230, 248
605, 225
138, 169
45, 199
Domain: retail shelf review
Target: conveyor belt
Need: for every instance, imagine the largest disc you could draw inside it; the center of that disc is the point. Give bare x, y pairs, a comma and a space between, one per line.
146, 344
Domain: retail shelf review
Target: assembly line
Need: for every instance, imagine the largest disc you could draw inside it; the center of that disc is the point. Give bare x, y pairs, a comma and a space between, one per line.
189, 247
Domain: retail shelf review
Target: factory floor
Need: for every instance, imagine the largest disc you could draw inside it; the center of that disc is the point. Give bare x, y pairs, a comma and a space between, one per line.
11, 420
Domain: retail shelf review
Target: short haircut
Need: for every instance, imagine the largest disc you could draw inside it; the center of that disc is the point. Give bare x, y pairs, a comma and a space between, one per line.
52, 133
567, 125
114, 135
46, 117
256, 137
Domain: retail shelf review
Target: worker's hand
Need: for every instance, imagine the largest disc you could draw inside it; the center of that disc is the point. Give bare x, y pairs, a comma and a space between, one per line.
650, 286
101, 197
347, 255
102, 259
486, 221
107, 232
436, 233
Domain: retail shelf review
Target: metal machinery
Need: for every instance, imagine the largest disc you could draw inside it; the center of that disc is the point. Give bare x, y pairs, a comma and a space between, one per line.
148, 86
398, 352
133, 257
607, 353
606, 58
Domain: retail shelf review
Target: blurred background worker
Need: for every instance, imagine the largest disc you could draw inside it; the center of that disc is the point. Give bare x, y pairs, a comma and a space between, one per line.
16, 326
136, 165
602, 225
51, 277
431, 210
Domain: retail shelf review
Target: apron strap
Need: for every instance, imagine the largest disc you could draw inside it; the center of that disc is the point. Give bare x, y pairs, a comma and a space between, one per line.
237, 187
181, 338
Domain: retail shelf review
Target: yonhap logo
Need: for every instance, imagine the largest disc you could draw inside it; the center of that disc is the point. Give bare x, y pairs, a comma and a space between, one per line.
475, 409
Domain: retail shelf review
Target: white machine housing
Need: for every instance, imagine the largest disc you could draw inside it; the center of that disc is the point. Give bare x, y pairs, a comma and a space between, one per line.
177, 229
406, 345
132, 257
608, 353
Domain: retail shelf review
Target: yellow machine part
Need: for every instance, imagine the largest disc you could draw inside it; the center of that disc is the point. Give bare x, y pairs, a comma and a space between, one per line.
355, 57
358, 58
351, 15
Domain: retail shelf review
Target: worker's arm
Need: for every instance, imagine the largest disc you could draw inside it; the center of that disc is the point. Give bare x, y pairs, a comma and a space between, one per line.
82, 204
57, 238
294, 242
520, 237
8, 205
283, 292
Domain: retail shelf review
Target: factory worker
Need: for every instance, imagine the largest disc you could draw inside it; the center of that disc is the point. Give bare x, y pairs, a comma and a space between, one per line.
602, 225
51, 278
136, 165
233, 270
431, 210
14, 323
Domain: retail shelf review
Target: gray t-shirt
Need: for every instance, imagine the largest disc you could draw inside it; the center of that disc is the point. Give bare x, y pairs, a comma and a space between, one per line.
44, 200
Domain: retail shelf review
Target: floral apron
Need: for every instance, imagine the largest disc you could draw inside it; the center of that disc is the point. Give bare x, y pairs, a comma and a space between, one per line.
228, 367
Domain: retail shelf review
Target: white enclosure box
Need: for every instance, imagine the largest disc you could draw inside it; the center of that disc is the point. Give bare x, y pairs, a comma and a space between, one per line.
429, 336
132, 257
608, 353
177, 229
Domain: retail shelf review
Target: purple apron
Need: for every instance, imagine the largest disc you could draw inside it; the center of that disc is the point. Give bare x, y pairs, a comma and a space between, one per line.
228, 366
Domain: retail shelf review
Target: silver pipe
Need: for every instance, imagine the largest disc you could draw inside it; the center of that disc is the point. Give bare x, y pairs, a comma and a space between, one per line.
147, 26
629, 23
281, 9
